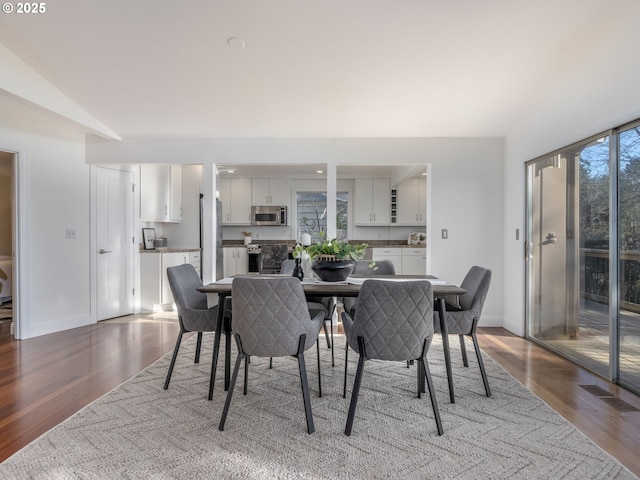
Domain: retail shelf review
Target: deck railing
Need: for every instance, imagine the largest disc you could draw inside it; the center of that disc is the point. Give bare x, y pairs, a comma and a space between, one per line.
594, 278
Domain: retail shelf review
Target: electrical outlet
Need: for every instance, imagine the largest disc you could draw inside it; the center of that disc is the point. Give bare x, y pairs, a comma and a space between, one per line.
70, 234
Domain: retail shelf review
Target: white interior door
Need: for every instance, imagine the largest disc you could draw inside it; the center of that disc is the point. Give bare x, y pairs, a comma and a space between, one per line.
114, 243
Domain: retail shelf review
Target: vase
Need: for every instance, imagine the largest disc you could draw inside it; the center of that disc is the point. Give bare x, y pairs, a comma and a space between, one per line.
332, 270
297, 270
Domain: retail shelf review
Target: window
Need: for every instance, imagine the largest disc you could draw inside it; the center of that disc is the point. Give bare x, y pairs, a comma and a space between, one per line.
312, 214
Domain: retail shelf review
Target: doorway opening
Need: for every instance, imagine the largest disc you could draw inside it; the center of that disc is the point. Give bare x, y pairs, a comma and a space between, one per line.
8, 284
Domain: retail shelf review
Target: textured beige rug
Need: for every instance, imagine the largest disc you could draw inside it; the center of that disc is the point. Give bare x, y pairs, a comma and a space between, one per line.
141, 431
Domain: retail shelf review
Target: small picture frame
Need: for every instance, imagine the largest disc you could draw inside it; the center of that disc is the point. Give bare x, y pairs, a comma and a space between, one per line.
148, 238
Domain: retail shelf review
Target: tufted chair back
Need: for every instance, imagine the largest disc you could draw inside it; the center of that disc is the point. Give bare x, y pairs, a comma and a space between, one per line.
270, 315
393, 318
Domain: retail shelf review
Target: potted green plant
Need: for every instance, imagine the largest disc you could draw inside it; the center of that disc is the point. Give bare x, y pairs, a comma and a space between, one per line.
333, 260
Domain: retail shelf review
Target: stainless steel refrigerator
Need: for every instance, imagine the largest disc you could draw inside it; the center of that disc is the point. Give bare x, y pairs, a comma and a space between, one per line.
218, 244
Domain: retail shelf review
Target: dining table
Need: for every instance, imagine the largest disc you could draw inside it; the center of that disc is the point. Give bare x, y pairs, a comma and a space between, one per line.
222, 290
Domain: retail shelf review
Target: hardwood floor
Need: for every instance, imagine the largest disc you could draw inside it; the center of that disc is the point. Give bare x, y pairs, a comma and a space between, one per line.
46, 379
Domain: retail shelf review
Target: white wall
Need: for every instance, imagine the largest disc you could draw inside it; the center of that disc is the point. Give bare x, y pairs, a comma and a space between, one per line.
55, 191
467, 182
582, 98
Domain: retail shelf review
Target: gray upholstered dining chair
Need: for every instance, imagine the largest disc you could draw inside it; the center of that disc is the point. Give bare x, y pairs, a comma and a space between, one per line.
393, 321
363, 267
325, 305
462, 316
193, 313
271, 319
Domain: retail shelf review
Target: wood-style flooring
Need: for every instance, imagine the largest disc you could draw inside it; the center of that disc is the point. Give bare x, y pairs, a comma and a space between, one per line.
46, 379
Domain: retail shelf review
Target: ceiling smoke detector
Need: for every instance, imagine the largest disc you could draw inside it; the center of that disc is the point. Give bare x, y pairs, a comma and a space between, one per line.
236, 43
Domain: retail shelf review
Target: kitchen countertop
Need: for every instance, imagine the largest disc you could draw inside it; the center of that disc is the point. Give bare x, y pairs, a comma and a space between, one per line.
170, 250
292, 244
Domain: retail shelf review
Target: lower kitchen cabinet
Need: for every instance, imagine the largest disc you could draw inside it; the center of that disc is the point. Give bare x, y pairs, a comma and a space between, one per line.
414, 261
155, 292
407, 261
393, 254
236, 261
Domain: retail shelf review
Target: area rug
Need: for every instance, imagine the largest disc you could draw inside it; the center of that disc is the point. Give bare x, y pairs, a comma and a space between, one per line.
140, 431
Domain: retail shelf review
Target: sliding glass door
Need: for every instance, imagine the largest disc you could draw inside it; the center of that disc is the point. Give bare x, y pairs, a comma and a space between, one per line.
568, 253
629, 263
583, 254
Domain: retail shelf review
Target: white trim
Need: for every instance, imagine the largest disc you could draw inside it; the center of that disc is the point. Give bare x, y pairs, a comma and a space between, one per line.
93, 228
490, 321
21, 265
428, 220
60, 325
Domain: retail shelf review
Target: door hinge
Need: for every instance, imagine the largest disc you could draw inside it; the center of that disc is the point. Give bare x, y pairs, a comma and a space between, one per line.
133, 291
133, 240
133, 187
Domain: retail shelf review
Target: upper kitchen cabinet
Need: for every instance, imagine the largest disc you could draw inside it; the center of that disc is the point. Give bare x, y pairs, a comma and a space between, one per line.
236, 200
411, 202
372, 201
161, 193
270, 191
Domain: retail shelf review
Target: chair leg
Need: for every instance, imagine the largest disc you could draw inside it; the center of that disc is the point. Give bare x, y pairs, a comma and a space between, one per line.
483, 372
245, 387
173, 360
333, 357
304, 384
463, 349
198, 347
326, 331
319, 375
432, 394
232, 384
227, 357
421, 385
346, 362
356, 388
270, 363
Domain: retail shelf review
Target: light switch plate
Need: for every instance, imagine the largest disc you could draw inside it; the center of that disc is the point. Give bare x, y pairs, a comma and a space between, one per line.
445, 234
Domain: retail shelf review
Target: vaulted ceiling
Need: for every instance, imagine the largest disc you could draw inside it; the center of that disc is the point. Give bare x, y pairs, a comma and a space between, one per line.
314, 68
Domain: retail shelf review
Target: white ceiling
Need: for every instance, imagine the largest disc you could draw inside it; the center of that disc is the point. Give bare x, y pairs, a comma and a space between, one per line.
315, 68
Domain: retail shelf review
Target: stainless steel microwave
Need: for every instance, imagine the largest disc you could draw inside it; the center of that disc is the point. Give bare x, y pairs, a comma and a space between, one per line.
268, 215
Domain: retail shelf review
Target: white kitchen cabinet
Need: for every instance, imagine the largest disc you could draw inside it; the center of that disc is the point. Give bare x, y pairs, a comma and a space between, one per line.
155, 291
393, 253
372, 204
161, 193
270, 191
412, 201
235, 261
235, 196
406, 261
414, 261
175, 197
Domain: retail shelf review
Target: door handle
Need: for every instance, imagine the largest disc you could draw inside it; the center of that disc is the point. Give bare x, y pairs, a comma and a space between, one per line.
102, 251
